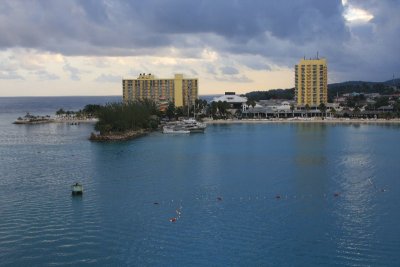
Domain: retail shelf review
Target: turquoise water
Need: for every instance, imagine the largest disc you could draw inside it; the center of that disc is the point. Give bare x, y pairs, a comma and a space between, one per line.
276, 184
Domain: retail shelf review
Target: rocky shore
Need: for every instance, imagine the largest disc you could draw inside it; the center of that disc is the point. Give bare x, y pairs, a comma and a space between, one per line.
117, 136
48, 119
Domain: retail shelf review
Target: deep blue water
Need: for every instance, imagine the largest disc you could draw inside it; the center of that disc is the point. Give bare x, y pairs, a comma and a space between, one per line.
116, 223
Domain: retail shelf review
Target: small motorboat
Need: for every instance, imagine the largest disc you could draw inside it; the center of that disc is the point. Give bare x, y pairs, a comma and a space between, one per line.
175, 130
77, 189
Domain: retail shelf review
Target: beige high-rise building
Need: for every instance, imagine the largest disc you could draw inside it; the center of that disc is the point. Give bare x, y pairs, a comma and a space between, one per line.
311, 82
179, 90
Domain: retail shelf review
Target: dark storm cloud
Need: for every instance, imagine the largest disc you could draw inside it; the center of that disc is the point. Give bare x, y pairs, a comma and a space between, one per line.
101, 27
280, 31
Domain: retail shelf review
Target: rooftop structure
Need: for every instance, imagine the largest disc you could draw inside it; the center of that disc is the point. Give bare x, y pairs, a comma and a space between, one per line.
231, 98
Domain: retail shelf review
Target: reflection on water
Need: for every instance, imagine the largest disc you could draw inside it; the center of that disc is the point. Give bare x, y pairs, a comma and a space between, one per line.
311, 154
224, 183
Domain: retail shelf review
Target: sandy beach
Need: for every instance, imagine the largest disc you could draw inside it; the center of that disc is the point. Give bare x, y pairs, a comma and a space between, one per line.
75, 120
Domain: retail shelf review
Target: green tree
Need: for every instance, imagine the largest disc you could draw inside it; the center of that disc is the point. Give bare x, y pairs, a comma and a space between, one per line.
356, 111
214, 108
382, 101
91, 110
170, 112
120, 117
221, 107
251, 102
179, 111
307, 107
396, 108
60, 112
292, 109
333, 111
322, 108
370, 106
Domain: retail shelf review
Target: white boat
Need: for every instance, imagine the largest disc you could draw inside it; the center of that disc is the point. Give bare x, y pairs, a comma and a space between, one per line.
193, 125
175, 130
185, 126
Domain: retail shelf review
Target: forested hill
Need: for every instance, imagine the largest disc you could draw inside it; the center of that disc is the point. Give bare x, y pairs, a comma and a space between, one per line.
382, 88
270, 94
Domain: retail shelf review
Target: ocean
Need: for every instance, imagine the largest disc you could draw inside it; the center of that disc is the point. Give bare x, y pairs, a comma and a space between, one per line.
238, 195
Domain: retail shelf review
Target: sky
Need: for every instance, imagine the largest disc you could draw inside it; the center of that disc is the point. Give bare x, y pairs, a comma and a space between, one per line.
86, 47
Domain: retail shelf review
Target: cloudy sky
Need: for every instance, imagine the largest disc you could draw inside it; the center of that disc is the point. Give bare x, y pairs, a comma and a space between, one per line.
85, 47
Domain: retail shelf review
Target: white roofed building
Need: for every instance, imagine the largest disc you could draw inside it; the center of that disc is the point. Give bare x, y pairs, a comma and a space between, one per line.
231, 98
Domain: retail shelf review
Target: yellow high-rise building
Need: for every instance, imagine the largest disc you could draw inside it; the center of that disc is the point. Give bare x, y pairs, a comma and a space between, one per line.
179, 90
311, 82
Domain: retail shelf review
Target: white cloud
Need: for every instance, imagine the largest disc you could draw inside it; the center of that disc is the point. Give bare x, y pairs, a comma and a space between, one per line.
109, 78
74, 73
10, 75
355, 15
45, 75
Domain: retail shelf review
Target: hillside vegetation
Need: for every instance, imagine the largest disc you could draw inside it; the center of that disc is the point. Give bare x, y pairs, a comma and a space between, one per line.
383, 88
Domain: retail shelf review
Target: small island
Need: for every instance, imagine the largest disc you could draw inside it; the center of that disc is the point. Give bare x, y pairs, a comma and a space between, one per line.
32, 119
124, 121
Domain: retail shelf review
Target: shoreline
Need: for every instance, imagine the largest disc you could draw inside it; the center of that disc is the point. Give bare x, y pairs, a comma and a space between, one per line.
45, 121
124, 136
327, 121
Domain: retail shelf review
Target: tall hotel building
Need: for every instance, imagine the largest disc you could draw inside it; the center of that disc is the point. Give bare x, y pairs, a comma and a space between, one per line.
311, 82
179, 90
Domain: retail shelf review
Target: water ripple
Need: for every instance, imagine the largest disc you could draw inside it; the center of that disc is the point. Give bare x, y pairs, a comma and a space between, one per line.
315, 201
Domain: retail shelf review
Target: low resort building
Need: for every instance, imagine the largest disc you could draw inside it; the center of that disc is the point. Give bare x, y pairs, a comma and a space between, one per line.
235, 101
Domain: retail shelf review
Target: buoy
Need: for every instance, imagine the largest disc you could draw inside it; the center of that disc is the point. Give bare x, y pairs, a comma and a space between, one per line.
77, 189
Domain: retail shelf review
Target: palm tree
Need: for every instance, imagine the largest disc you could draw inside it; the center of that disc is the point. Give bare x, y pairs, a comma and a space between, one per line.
213, 108
333, 111
307, 107
292, 109
170, 112
322, 108
251, 103
356, 111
